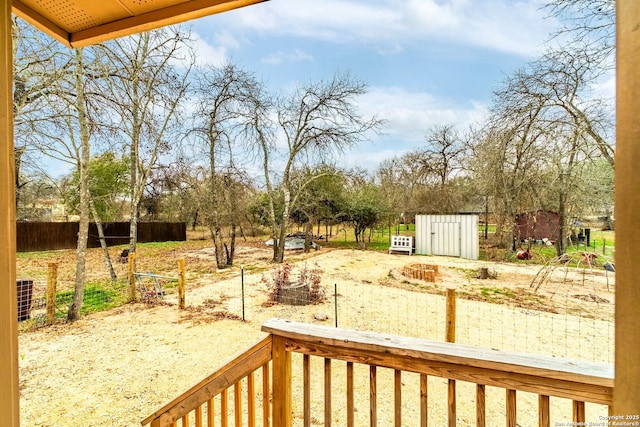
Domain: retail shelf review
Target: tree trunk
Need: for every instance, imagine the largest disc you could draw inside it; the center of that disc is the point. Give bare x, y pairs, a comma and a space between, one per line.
276, 247
232, 246
135, 199
281, 241
18, 152
218, 245
560, 244
234, 227
83, 168
279, 254
194, 221
103, 242
307, 236
133, 230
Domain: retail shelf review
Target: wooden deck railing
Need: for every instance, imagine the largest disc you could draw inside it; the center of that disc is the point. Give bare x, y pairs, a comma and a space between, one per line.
198, 402
549, 378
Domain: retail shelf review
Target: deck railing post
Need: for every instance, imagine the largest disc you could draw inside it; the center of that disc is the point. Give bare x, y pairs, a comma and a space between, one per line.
281, 383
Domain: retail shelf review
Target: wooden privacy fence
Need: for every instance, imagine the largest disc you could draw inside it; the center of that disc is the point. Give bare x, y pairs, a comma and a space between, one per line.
547, 377
42, 236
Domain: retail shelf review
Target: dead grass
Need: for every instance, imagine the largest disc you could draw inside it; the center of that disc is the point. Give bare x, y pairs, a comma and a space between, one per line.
115, 368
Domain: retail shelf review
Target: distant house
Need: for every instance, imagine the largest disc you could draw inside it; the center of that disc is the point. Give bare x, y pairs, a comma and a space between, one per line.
537, 225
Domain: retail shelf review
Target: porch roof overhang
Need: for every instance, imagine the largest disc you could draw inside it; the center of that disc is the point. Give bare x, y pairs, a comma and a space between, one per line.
78, 23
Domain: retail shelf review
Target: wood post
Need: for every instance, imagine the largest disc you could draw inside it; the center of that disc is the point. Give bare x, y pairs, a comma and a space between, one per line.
266, 395
451, 404
397, 397
626, 399
52, 282
373, 395
544, 420
224, 408
181, 283
481, 406
237, 404
9, 381
251, 399
281, 401
132, 280
210, 412
306, 390
511, 408
350, 396
424, 400
451, 337
578, 412
327, 392
451, 315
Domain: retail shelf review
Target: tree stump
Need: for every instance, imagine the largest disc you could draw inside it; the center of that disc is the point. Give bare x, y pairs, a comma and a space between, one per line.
484, 273
294, 294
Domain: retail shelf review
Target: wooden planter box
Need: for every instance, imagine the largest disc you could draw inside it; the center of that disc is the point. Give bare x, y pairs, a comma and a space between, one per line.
426, 272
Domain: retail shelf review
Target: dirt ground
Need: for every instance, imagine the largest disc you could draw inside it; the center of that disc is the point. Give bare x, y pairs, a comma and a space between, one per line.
115, 368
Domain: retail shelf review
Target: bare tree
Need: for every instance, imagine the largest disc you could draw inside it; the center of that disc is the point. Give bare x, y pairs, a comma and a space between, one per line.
83, 167
442, 154
544, 124
507, 160
148, 81
224, 109
316, 121
437, 164
587, 22
560, 82
66, 134
34, 77
59, 116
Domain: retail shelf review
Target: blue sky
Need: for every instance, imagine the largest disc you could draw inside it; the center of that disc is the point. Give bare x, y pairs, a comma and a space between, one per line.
426, 62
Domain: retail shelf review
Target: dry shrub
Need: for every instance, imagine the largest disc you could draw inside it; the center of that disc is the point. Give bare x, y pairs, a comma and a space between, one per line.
280, 277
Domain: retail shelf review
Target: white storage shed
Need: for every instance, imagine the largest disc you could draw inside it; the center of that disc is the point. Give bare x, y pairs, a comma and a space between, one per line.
449, 235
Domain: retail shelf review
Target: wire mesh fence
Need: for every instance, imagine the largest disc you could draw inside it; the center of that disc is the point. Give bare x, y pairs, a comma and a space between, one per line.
43, 299
572, 327
581, 336
42, 305
579, 324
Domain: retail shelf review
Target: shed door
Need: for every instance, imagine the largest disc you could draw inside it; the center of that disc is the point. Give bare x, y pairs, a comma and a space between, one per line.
445, 238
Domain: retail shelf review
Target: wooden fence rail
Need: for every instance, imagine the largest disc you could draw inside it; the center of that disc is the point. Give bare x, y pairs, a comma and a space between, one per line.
198, 401
547, 377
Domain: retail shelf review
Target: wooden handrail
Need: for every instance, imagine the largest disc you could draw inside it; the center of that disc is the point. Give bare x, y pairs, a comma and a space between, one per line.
545, 376
576, 380
232, 372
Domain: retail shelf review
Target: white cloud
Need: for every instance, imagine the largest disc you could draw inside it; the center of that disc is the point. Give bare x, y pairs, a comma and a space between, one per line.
207, 54
408, 115
293, 56
606, 88
367, 157
515, 27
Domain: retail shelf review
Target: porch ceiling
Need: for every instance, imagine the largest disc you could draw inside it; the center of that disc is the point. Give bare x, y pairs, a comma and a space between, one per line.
78, 23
